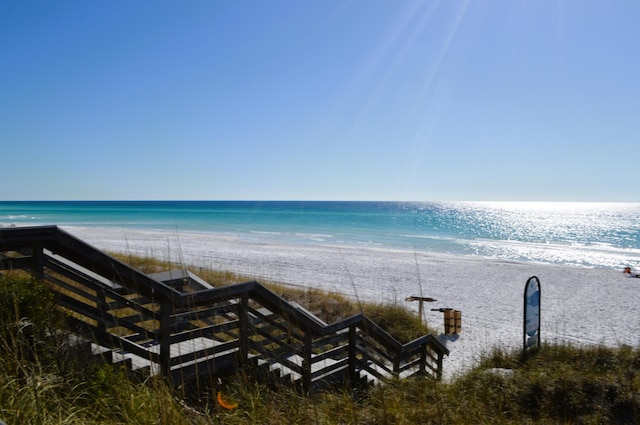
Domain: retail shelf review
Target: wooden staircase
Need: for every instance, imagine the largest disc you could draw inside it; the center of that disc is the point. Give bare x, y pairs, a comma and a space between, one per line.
179, 326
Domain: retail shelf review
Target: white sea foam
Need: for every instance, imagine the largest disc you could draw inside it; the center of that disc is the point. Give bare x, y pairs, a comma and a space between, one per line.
579, 305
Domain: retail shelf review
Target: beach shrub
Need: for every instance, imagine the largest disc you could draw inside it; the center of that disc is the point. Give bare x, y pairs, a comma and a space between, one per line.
398, 321
559, 384
330, 307
28, 319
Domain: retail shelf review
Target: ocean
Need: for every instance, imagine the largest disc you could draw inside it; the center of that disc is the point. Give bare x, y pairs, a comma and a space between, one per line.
592, 235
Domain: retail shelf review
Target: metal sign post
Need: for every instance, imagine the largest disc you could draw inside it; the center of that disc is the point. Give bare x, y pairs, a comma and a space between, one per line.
531, 331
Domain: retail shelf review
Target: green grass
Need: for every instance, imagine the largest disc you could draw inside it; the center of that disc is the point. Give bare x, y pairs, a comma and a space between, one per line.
45, 381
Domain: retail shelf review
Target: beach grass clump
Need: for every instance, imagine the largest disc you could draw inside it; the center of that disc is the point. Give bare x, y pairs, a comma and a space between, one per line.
150, 265
28, 320
398, 321
48, 376
558, 384
328, 306
143, 264
115, 398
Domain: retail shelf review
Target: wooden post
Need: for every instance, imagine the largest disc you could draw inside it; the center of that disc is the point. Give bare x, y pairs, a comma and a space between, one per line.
243, 328
396, 364
37, 260
439, 371
353, 377
306, 361
423, 359
165, 337
102, 309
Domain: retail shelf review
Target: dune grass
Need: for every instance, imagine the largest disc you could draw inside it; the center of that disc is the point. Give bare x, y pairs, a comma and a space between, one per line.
44, 380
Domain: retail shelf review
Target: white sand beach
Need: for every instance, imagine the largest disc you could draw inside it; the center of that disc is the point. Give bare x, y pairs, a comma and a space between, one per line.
578, 305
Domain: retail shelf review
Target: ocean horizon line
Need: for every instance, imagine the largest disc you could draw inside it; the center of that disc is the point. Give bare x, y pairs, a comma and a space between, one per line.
332, 200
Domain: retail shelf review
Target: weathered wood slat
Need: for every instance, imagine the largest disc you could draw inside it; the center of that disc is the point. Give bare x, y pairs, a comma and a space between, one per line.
72, 273
15, 239
211, 351
291, 347
410, 365
206, 331
108, 321
367, 357
331, 340
375, 349
274, 354
89, 284
329, 369
374, 372
276, 323
107, 339
205, 313
138, 338
378, 334
277, 335
292, 365
87, 256
60, 285
337, 352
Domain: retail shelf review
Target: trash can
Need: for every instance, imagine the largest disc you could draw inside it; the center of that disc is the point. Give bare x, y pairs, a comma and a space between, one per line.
452, 321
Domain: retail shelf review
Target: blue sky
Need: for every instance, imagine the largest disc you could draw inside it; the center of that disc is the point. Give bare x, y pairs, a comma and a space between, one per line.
325, 100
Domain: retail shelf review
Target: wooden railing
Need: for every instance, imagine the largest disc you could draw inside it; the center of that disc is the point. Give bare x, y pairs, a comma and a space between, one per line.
182, 332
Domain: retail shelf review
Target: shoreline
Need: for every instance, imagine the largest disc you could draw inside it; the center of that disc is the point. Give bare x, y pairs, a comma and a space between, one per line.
579, 305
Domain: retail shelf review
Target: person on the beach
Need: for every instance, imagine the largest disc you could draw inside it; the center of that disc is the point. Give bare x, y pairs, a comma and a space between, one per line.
628, 273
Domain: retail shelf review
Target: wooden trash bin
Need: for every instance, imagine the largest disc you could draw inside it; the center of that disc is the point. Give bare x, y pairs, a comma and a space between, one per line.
452, 321
457, 318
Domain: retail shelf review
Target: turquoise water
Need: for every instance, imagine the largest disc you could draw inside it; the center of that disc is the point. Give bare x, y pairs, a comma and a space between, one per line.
602, 235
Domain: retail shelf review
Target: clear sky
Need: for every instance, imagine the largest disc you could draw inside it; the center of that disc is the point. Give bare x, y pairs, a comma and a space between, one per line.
322, 100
